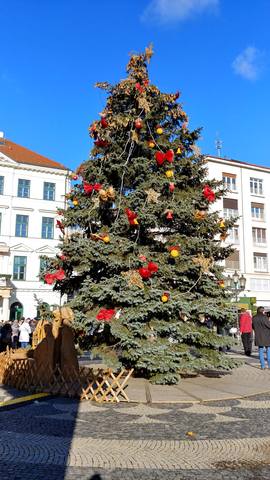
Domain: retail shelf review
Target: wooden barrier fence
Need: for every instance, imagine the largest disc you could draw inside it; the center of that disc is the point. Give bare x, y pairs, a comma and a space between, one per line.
100, 385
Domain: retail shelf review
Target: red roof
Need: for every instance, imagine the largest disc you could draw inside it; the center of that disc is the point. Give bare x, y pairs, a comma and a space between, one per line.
24, 155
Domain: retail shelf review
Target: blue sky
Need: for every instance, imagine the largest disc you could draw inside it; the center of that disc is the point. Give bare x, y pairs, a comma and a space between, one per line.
216, 52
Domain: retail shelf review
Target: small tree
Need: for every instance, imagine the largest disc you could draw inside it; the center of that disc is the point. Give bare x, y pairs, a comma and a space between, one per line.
143, 258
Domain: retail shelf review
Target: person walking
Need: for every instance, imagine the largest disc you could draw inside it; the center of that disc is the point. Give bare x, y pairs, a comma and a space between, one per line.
15, 334
261, 327
245, 327
25, 331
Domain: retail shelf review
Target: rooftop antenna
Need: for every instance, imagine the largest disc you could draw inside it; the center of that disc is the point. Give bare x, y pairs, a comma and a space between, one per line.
218, 144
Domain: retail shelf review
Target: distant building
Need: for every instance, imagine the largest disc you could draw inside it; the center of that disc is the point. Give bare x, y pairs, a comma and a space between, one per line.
32, 187
249, 198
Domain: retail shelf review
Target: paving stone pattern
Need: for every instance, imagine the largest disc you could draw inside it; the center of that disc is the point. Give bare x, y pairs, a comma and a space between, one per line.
61, 439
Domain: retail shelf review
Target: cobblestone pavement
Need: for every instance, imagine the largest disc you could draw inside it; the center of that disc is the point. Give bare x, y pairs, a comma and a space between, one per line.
61, 439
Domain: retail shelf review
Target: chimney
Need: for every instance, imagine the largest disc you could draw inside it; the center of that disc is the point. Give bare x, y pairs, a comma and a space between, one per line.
2, 138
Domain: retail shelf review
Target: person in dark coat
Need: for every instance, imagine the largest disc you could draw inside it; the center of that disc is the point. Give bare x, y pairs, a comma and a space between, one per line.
261, 327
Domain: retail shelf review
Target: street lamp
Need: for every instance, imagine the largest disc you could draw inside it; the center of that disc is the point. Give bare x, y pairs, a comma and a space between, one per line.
236, 284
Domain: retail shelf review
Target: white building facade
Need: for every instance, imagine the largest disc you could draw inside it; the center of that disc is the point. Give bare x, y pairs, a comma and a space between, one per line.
249, 199
32, 188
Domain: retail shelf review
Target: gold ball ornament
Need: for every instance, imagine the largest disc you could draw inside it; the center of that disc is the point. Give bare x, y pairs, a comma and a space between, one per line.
222, 223
174, 253
75, 202
106, 239
165, 297
159, 130
169, 173
151, 144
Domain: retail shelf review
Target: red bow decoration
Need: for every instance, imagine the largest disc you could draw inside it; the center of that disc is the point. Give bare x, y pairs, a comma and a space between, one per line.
161, 157
152, 267
50, 278
139, 87
105, 314
60, 225
209, 194
88, 187
101, 143
132, 217
147, 272
104, 122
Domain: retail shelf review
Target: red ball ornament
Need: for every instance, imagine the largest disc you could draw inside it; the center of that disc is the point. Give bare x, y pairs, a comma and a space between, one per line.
138, 123
171, 187
145, 273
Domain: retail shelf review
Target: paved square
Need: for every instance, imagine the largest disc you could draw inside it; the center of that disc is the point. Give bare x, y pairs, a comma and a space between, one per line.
61, 439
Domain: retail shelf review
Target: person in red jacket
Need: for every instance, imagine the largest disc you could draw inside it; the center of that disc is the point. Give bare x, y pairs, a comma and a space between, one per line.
245, 325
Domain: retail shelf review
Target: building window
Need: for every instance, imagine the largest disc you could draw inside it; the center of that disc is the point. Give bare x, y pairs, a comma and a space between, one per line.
47, 227
49, 191
43, 265
260, 262
229, 181
233, 234
257, 211
259, 236
23, 188
21, 229
19, 268
260, 284
230, 208
1, 185
256, 186
233, 261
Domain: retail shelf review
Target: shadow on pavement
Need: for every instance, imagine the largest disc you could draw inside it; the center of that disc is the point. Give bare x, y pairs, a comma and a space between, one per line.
36, 438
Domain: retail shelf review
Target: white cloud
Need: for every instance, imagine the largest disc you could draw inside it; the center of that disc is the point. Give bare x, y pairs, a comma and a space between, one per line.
171, 11
248, 64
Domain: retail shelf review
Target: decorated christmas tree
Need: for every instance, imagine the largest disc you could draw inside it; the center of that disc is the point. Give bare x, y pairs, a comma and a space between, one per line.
142, 244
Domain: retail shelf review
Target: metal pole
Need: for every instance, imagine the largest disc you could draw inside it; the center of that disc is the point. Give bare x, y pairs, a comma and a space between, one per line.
236, 313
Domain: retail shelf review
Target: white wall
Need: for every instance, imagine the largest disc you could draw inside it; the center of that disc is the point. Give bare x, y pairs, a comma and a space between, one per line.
244, 172
33, 246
